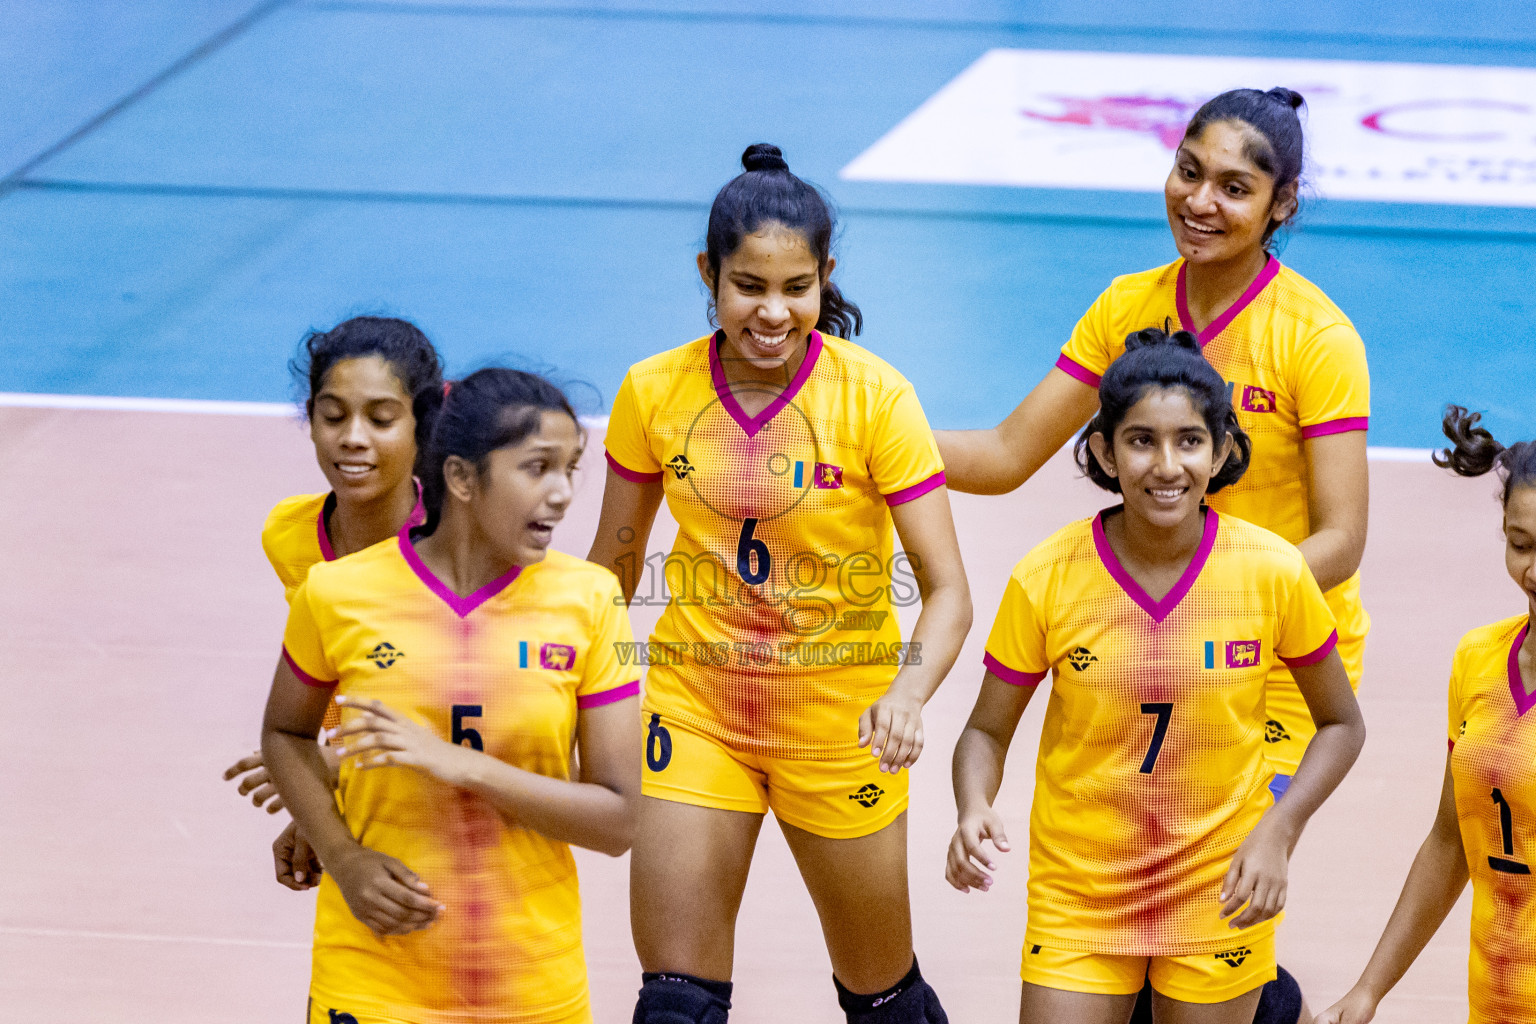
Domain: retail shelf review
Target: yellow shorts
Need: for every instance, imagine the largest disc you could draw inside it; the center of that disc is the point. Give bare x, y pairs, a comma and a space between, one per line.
843, 797
1195, 978
319, 1013
1289, 727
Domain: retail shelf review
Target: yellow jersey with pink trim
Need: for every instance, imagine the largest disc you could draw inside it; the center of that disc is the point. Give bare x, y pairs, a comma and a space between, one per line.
294, 536
1493, 764
1151, 769
506, 670
782, 586
1296, 369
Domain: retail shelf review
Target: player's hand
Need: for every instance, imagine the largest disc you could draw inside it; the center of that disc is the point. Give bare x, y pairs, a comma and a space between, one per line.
963, 868
383, 893
294, 860
376, 735
1256, 878
257, 785
1357, 1007
892, 729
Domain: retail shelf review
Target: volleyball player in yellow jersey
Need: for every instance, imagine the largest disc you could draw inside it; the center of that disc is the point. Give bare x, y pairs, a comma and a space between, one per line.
372, 386
1293, 361
477, 671
1486, 826
1156, 849
779, 680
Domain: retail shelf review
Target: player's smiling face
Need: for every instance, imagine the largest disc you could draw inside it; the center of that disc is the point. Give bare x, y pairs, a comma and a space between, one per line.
1219, 201
1164, 457
363, 429
1520, 541
525, 490
767, 300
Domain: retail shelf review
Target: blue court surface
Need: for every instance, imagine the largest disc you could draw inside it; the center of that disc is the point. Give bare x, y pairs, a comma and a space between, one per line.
189, 187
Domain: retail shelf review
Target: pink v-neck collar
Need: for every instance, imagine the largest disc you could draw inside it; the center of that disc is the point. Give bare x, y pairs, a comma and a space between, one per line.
417, 517
1523, 701
752, 424
1159, 610
1215, 327
461, 606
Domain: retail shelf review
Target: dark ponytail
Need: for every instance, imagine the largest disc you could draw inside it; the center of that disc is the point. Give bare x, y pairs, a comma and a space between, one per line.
402, 346
1474, 452
1156, 359
490, 409
1276, 145
767, 192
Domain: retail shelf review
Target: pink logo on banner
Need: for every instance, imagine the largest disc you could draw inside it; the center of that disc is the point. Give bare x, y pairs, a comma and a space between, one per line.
1257, 399
559, 657
1163, 118
1243, 653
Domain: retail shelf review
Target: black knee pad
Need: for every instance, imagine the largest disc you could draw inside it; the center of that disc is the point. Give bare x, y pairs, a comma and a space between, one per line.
910, 1001
671, 998
1280, 1000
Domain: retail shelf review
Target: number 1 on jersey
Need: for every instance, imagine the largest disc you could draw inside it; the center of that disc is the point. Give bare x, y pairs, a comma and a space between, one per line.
1505, 863
1164, 712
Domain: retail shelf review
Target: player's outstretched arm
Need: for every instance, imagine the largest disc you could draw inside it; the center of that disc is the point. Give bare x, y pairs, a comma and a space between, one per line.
624, 528
1435, 882
595, 811
1255, 887
1338, 505
978, 774
892, 727
382, 892
998, 460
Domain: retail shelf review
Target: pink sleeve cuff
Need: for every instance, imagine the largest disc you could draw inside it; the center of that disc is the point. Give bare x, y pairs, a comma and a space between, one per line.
1343, 426
305, 677
618, 693
1011, 675
632, 475
1317, 655
1072, 368
917, 490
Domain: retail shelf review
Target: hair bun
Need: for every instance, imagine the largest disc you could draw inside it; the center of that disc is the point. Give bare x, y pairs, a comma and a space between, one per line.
761, 156
1150, 336
1290, 97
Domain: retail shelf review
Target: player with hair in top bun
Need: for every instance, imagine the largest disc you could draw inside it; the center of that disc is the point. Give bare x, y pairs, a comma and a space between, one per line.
1485, 829
785, 454
1157, 851
1294, 363
488, 724
373, 386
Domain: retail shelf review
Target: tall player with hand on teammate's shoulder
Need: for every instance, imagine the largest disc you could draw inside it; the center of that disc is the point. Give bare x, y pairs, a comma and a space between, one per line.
785, 453
1157, 852
1485, 828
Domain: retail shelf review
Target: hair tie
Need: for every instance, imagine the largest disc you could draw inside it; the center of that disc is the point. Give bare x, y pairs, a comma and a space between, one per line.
447, 387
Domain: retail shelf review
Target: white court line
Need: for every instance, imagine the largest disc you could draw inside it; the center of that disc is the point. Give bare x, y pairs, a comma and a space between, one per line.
200, 940
115, 404
112, 403
198, 405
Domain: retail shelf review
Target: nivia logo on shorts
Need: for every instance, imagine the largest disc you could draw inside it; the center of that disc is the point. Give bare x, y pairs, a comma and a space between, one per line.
384, 655
1235, 957
1274, 732
868, 795
1080, 658
679, 465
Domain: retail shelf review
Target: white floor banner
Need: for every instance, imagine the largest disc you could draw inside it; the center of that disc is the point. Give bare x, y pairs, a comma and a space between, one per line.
1423, 133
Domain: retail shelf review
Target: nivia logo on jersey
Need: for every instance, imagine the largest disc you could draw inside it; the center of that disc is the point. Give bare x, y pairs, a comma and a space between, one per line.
555, 657
385, 655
